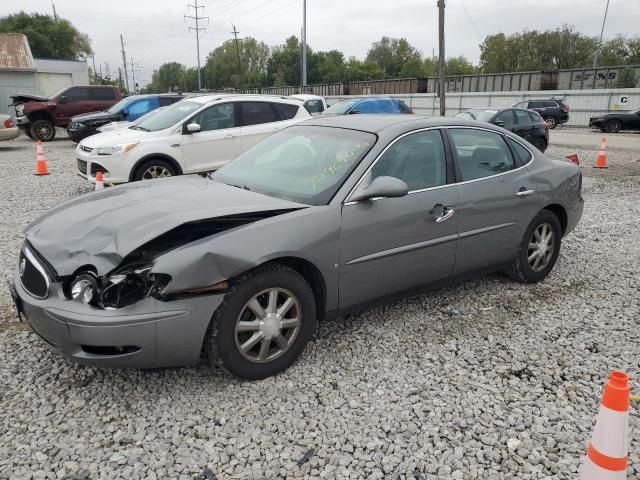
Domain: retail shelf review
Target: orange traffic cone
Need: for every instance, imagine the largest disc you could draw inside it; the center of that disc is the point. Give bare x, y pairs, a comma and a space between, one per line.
601, 161
41, 164
607, 452
99, 181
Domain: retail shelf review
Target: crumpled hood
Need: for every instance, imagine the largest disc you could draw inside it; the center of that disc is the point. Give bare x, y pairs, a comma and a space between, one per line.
27, 97
101, 228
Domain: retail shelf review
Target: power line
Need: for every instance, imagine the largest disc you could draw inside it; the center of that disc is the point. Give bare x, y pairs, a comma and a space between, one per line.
260, 17
197, 29
471, 20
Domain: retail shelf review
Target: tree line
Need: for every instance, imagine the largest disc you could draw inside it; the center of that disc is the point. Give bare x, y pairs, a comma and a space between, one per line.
249, 63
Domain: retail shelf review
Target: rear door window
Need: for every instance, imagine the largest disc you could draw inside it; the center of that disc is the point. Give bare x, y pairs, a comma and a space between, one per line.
535, 117
550, 104
257, 113
285, 110
480, 153
523, 155
536, 104
103, 94
366, 107
77, 94
522, 117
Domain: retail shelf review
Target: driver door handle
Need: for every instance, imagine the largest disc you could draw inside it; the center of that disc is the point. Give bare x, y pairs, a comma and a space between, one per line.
442, 213
229, 135
525, 193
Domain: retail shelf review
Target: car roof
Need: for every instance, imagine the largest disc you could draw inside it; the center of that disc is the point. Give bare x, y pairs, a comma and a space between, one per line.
375, 123
304, 96
205, 99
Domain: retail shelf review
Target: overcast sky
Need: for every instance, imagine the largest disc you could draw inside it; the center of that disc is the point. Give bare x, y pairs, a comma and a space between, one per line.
155, 31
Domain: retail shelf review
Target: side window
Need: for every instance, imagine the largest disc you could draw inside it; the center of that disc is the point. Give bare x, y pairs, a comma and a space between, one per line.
521, 104
536, 104
417, 159
77, 94
256, 113
286, 111
217, 117
366, 107
480, 153
535, 116
522, 116
507, 118
140, 107
522, 153
550, 104
103, 94
314, 106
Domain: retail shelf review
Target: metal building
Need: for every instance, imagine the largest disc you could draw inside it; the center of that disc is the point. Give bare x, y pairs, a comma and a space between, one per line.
21, 73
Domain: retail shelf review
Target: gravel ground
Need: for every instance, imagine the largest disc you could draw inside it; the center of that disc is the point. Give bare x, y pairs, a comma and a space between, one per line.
488, 379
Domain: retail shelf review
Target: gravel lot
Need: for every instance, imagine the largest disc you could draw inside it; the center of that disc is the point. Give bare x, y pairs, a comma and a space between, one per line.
488, 379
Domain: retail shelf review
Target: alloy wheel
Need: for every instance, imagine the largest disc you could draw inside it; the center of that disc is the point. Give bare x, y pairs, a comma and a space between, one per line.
551, 122
155, 172
268, 325
44, 131
541, 247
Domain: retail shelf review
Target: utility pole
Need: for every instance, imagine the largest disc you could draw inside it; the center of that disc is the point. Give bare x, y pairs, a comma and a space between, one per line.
235, 34
124, 62
55, 15
604, 20
95, 74
197, 28
304, 42
133, 76
443, 106
120, 79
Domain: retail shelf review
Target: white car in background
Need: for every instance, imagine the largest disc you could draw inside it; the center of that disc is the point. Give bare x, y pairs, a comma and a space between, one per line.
197, 134
8, 129
313, 103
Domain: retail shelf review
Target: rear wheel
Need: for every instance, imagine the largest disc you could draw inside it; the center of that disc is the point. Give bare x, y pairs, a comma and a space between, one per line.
538, 250
43, 130
263, 325
154, 168
613, 126
552, 122
540, 143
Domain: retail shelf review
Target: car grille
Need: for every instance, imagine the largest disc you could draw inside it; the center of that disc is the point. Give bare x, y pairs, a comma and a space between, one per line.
82, 166
33, 277
86, 149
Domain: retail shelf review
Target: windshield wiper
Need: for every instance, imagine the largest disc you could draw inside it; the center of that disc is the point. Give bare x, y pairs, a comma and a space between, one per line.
137, 127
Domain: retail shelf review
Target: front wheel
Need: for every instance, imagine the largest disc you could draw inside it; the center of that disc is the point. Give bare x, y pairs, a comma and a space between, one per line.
552, 122
43, 130
539, 249
613, 126
263, 325
154, 168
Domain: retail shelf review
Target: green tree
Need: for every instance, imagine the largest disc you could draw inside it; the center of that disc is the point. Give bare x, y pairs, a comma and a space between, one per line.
627, 78
459, 66
329, 67
392, 54
241, 65
284, 65
613, 52
48, 37
633, 51
169, 77
358, 70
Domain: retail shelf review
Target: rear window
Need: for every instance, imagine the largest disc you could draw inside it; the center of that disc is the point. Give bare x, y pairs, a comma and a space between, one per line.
257, 113
286, 111
103, 94
314, 106
523, 117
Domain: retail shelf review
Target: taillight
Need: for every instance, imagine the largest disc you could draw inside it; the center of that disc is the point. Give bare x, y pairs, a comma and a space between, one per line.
573, 158
8, 123
565, 109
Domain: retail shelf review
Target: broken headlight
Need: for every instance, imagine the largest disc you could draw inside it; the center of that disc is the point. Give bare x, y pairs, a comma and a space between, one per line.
121, 289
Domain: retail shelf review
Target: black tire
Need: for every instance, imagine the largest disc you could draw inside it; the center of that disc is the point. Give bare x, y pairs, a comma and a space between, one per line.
43, 130
551, 121
142, 172
540, 143
222, 341
27, 132
613, 126
520, 268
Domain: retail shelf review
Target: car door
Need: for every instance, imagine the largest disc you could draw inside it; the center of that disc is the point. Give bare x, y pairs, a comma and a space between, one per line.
74, 101
259, 121
524, 126
390, 245
217, 142
505, 119
498, 199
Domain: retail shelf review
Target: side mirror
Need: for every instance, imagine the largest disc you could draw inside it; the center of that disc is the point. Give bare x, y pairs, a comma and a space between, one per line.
63, 99
499, 123
193, 128
386, 187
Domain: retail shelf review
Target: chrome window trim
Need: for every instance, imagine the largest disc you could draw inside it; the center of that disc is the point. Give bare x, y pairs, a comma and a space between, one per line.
348, 202
40, 268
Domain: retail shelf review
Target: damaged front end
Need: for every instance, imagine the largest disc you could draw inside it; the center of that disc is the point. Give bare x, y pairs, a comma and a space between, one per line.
133, 280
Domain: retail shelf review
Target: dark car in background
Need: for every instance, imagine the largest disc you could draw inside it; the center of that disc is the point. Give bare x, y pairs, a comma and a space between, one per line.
614, 122
39, 116
368, 105
524, 123
555, 112
128, 109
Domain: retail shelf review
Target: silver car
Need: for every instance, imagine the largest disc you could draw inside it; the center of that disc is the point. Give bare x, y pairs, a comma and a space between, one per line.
321, 219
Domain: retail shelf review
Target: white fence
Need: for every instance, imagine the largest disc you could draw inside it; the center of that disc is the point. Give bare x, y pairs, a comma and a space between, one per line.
582, 103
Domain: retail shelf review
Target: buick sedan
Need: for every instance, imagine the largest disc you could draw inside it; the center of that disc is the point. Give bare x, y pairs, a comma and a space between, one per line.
319, 220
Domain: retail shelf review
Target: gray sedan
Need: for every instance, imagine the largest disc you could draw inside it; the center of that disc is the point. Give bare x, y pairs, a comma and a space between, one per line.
321, 219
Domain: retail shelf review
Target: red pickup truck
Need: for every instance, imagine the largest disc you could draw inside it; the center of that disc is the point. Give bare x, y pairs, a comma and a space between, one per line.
38, 116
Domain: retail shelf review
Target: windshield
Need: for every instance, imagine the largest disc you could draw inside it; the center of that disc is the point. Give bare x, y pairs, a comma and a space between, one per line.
148, 115
480, 115
306, 164
340, 108
119, 106
170, 116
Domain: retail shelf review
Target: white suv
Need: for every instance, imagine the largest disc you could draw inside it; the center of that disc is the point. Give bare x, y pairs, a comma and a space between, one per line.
197, 134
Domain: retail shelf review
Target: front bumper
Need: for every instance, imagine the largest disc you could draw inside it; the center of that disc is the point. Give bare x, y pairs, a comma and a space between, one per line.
116, 168
596, 122
149, 334
79, 134
9, 133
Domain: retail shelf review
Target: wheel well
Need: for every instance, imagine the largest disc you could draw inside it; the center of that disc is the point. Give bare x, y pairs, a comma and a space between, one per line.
40, 115
160, 156
312, 274
561, 213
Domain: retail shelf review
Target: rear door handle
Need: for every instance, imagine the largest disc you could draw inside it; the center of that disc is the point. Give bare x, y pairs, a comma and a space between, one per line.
442, 213
525, 193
